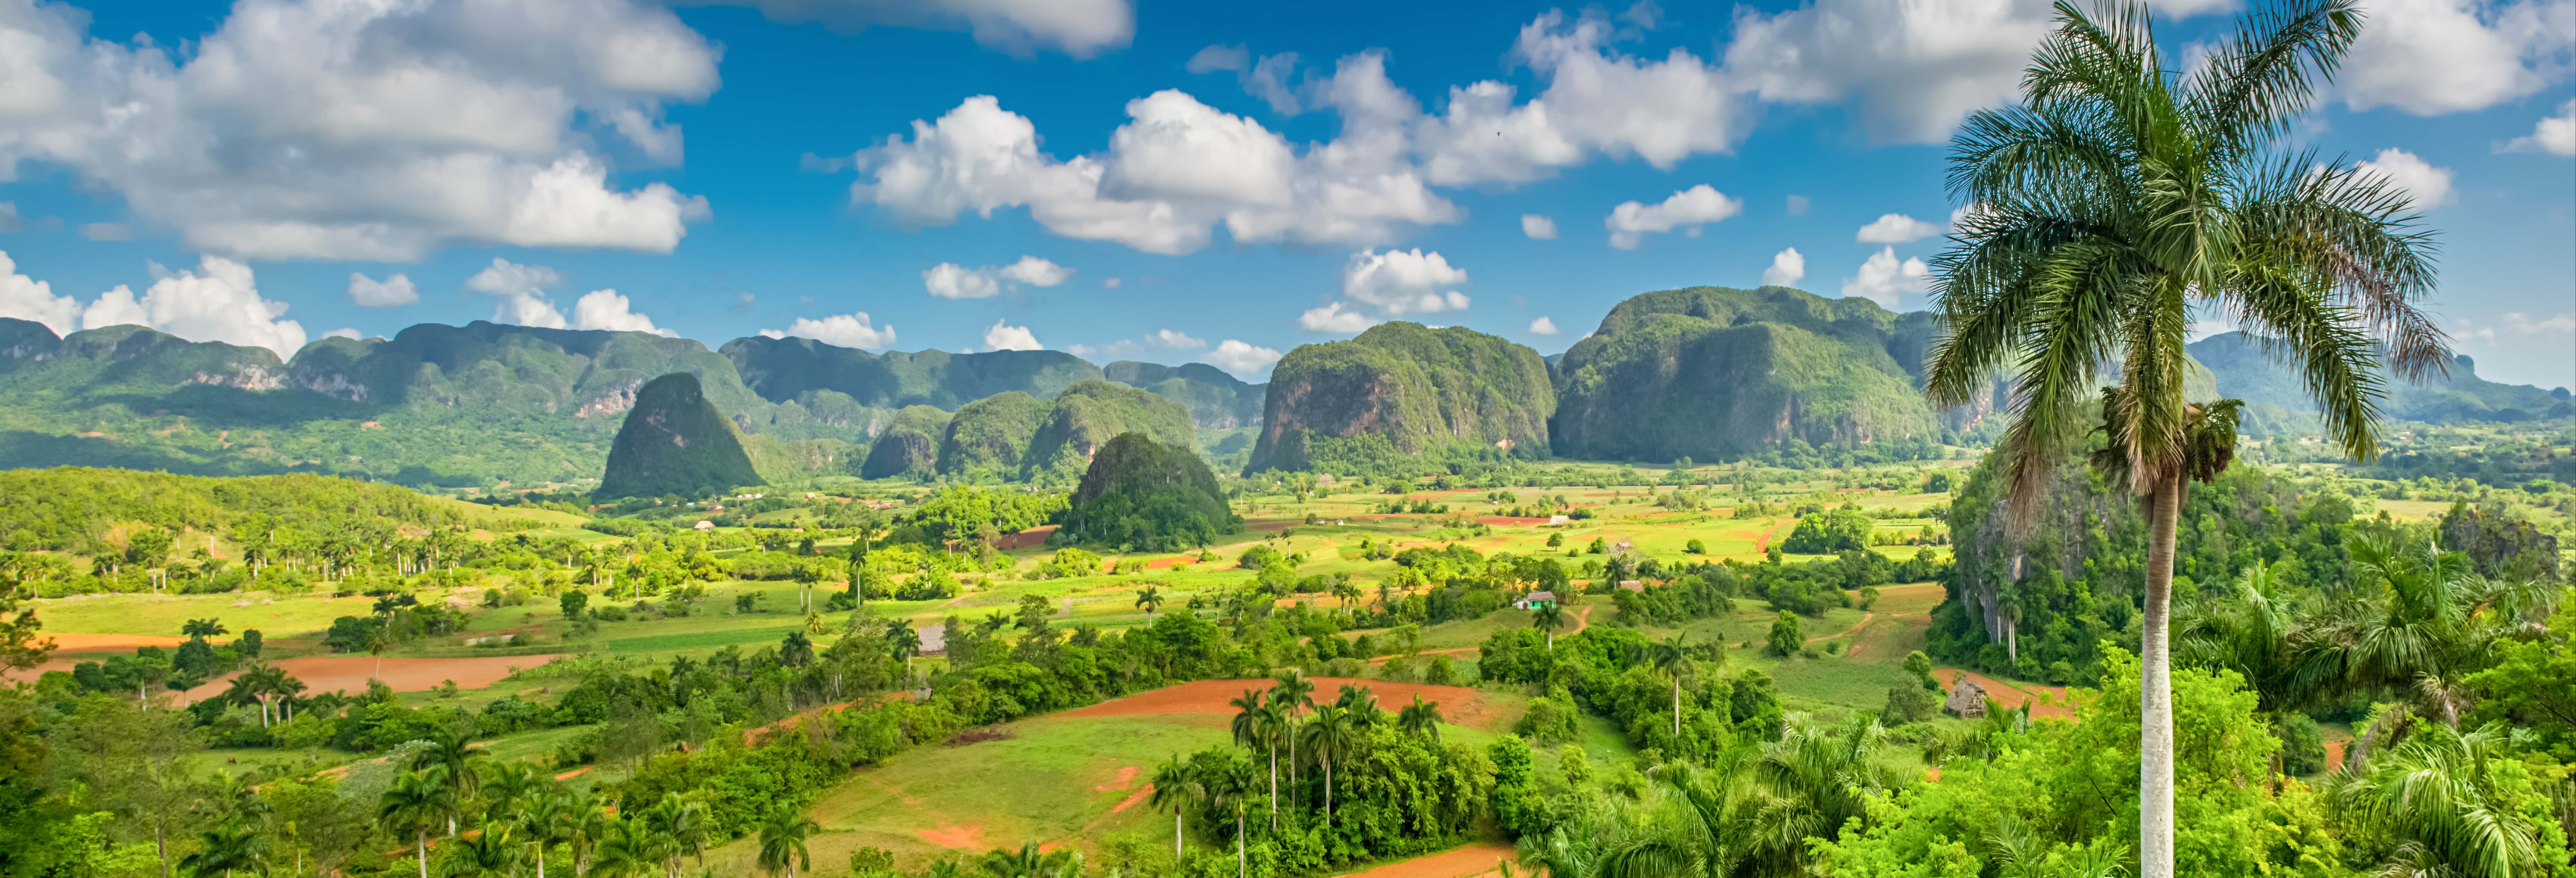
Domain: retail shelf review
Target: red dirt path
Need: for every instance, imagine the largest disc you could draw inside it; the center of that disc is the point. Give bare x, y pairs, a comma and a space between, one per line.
2050, 700
1476, 859
1459, 705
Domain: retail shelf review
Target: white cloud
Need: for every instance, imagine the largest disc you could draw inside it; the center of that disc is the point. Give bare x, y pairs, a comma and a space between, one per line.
1170, 176
2189, 8
1334, 319
2555, 135
1631, 221
1787, 267
1882, 277
2426, 185
1542, 326
392, 292
1913, 69
1165, 338
847, 330
217, 302
1036, 272
1798, 205
1119, 348
1079, 28
343, 332
1538, 227
1220, 57
948, 280
27, 298
1266, 79
1111, 283
522, 291
1895, 228
1597, 102
10, 221
605, 309
1244, 360
1010, 338
1400, 282
2524, 324
2430, 57
313, 129
108, 232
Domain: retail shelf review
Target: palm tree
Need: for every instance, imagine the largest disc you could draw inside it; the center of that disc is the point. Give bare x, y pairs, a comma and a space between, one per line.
1150, 598
507, 785
1229, 788
377, 642
547, 821
224, 849
1293, 692
1547, 618
1672, 657
1360, 704
2417, 620
1177, 785
782, 840
1030, 862
1255, 726
451, 754
1819, 778
2436, 795
681, 825
2116, 198
627, 846
1330, 736
488, 853
1421, 718
416, 801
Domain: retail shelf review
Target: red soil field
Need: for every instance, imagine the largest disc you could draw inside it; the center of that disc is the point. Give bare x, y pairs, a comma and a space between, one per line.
349, 673
1476, 859
2053, 704
1459, 705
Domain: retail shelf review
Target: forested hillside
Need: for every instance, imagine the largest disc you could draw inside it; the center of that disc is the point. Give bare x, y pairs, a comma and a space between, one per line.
2280, 403
1713, 373
674, 442
1400, 390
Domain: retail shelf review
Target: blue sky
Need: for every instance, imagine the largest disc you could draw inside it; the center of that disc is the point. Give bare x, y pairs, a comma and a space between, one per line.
1156, 181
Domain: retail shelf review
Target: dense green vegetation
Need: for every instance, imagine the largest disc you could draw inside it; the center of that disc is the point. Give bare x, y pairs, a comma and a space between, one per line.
909, 446
1399, 390
2244, 370
1217, 401
1715, 374
675, 443
1142, 494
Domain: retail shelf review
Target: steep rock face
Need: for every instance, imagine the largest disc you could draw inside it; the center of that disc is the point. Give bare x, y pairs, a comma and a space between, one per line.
782, 369
1416, 387
988, 436
1713, 373
909, 446
2278, 399
674, 441
1217, 401
1089, 414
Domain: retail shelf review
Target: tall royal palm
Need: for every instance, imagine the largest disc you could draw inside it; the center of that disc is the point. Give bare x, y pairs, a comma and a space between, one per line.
2113, 201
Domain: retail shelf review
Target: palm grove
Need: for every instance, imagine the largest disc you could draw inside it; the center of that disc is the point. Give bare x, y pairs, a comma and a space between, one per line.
2211, 613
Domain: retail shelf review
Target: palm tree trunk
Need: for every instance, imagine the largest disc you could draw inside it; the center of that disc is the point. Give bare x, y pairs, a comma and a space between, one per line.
1238, 844
420, 844
1274, 787
1677, 706
1176, 832
1328, 790
2155, 690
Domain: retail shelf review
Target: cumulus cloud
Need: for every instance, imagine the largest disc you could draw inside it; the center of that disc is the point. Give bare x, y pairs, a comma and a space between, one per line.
847, 330
1538, 227
1165, 338
1334, 319
1010, 338
522, 291
1542, 326
1119, 348
1882, 277
1266, 79
1687, 209
2555, 135
310, 129
2430, 57
605, 309
2427, 186
1895, 228
1079, 28
217, 302
1786, 268
1244, 360
1912, 69
1172, 174
1598, 101
392, 292
1400, 282
948, 280
27, 298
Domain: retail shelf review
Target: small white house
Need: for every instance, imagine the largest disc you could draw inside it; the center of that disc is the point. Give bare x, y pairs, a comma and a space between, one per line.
1535, 599
706, 525
1559, 519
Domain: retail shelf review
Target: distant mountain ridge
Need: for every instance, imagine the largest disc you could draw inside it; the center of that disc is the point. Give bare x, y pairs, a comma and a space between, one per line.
483, 403
1402, 389
2275, 394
